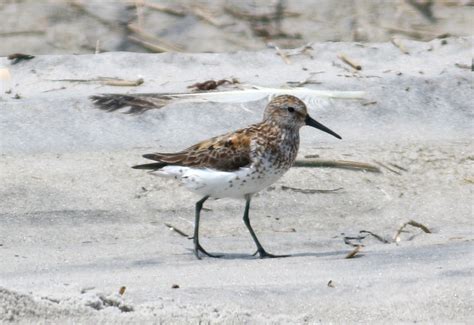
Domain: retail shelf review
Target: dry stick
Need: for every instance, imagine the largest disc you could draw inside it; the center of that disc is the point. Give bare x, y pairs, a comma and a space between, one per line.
107, 81
23, 32
415, 33
398, 166
121, 82
309, 191
400, 46
386, 167
348, 61
206, 16
149, 46
54, 89
348, 239
307, 81
463, 66
375, 235
173, 228
176, 11
168, 46
345, 164
283, 55
76, 4
396, 237
300, 50
369, 103
354, 252
253, 17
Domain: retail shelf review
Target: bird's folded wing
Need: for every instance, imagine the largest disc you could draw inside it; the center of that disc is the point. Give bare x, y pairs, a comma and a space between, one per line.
227, 153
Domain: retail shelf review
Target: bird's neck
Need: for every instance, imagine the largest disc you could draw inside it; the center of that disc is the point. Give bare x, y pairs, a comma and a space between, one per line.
283, 141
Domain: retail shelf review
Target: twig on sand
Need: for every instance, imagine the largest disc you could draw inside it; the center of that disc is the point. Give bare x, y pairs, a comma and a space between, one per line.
345, 164
285, 54
398, 167
245, 15
22, 32
369, 103
396, 237
282, 54
152, 42
175, 10
348, 240
121, 82
306, 81
97, 47
108, 81
309, 191
79, 6
206, 15
465, 66
350, 62
386, 167
55, 89
149, 46
173, 228
379, 238
399, 45
413, 33
354, 252
305, 49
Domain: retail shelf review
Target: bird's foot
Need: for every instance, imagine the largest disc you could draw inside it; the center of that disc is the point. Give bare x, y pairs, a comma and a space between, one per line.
264, 254
198, 248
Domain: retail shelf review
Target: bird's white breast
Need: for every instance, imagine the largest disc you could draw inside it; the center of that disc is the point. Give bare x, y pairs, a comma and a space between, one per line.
221, 184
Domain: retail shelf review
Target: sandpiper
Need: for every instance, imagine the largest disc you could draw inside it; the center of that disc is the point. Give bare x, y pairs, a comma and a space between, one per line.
239, 164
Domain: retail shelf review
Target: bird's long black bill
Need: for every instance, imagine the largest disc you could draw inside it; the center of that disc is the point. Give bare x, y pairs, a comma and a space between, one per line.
315, 124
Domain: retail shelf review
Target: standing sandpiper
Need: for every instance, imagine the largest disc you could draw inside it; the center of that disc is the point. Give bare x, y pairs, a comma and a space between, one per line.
240, 163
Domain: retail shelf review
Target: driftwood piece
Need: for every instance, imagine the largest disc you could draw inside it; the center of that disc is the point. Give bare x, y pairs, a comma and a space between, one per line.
108, 81
172, 10
349, 61
309, 191
396, 237
344, 164
399, 45
173, 228
354, 252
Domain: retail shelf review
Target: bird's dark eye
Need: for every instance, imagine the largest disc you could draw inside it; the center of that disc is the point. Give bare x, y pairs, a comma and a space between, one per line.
291, 109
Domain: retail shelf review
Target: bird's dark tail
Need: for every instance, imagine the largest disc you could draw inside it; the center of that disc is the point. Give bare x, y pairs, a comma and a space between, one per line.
153, 166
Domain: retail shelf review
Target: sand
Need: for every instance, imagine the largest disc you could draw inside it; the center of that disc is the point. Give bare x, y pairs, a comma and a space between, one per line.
77, 223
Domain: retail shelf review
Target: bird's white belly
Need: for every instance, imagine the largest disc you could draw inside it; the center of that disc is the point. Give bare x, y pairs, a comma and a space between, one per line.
221, 184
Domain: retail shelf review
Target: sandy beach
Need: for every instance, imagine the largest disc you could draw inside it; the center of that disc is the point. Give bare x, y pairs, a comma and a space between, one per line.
77, 223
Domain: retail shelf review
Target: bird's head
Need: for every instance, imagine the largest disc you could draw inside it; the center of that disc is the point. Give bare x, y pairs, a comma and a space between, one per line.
290, 112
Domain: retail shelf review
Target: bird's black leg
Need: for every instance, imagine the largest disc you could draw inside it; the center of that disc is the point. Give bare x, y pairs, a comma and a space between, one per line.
260, 250
197, 247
